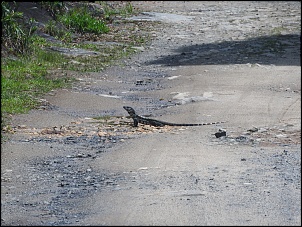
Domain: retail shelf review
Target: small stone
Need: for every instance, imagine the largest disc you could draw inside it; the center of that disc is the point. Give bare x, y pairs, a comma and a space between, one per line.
139, 82
141, 48
100, 133
261, 130
220, 133
254, 129
281, 136
22, 126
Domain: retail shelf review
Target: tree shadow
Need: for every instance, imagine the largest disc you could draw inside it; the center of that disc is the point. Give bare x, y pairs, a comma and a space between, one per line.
275, 49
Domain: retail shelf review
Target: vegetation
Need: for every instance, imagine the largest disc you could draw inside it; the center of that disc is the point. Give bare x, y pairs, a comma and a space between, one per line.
54, 8
80, 20
16, 37
27, 62
24, 79
109, 11
54, 30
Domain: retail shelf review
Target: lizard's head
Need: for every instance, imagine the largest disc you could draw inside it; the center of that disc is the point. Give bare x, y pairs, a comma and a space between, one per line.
129, 109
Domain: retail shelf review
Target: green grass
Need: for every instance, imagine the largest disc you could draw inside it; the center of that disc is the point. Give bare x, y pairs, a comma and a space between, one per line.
81, 21
125, 11
24, 79
52, 28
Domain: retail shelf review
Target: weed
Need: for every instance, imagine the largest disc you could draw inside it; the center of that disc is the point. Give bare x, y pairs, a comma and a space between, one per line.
80, 20
123, 11
55, 8
24, 79
16, 36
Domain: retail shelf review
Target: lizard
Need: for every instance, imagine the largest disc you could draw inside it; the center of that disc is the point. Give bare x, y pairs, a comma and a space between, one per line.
148, 121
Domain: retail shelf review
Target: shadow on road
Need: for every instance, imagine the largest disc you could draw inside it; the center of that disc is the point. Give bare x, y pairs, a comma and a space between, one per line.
276, 49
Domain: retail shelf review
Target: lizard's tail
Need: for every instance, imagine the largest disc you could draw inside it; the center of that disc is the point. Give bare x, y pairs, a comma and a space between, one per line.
201, 124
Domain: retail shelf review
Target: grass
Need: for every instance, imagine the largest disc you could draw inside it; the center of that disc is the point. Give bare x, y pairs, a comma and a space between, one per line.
26, 77
123, 11
80, 20
51, 28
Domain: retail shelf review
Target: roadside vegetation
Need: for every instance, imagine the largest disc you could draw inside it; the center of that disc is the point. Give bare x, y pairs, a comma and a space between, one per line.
29, 62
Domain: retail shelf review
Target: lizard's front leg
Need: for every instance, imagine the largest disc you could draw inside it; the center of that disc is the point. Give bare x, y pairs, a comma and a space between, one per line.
135, 122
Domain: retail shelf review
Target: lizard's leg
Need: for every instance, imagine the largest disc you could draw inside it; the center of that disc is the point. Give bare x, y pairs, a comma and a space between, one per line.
135, 122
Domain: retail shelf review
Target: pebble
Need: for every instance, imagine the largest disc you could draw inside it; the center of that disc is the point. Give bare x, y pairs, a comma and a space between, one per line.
254, 129
101, 133
281, 136
21, 126
261, 130
140, 48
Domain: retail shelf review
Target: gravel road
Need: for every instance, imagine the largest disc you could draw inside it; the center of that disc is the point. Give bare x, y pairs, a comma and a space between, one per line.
78, 160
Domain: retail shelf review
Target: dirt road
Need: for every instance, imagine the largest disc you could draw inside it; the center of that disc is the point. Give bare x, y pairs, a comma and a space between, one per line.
209, 61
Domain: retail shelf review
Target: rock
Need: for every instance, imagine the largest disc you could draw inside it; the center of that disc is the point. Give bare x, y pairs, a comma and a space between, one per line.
254, 129
261, 130
220, 133
21, 126
100, 133
139, 48
281, 136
